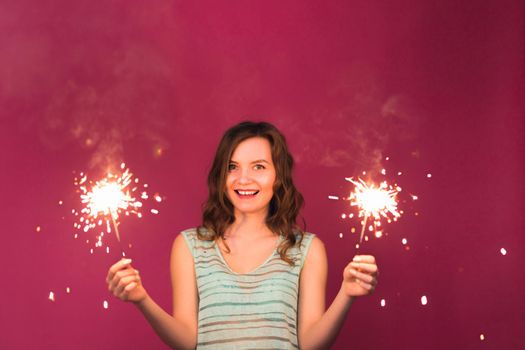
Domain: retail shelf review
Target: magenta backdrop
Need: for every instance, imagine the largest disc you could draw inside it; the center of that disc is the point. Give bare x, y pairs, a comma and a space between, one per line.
436, 86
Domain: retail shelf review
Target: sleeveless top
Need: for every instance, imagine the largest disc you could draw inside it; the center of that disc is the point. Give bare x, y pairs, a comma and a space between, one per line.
255, 310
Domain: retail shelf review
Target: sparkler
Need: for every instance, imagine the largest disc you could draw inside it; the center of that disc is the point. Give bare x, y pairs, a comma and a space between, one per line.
374, 202
105, 200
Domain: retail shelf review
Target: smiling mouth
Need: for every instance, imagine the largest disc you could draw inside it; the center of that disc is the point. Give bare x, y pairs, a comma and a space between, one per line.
246, 193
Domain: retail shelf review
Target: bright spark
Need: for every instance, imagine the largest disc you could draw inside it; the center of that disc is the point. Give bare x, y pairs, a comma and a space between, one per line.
374, 202
106, 200
51, 296
503, 251
424, 300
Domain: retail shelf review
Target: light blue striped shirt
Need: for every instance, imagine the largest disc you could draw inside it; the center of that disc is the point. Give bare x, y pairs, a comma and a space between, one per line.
256, 310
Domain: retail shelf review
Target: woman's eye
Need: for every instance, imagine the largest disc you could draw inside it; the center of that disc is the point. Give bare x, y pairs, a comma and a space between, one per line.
231, 167
259, 167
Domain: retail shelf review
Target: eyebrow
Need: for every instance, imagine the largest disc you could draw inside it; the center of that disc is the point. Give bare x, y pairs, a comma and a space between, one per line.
255, 161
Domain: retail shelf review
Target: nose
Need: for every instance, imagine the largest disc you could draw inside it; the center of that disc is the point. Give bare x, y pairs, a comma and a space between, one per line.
244, 177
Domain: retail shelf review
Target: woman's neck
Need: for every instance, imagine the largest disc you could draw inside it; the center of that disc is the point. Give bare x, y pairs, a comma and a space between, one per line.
248, 225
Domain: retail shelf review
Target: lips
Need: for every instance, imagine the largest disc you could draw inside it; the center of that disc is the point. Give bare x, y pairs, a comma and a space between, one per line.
246, 193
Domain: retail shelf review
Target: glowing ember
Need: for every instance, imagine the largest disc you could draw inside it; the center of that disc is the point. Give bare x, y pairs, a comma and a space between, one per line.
383, 302
503, 251
333, 197
51, 296
340, 235
38, 229
429, 176
482, 337
374, 202
404, 241
105, 304
106, 200
68, 290
424, 300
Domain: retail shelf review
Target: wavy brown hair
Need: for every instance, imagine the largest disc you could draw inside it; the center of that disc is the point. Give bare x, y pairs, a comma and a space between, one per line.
285, 204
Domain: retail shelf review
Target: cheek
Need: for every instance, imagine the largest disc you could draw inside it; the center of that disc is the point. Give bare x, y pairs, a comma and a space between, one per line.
229, 182
270, 182
228, 187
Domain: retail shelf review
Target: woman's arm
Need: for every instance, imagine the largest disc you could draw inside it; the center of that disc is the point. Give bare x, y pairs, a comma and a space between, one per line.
178, 330
318, 328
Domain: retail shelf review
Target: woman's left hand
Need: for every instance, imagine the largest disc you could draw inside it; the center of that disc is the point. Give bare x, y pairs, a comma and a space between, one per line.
360, 276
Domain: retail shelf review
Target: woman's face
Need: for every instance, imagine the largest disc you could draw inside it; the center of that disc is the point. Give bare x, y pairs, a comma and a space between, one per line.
251, 176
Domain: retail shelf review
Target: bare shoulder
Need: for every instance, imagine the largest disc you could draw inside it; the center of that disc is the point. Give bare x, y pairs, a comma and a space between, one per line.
312, 287
180, 248
185, 295
179, 241
316, 253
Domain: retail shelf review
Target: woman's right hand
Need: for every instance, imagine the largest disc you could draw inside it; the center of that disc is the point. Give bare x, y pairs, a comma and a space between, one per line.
124, 282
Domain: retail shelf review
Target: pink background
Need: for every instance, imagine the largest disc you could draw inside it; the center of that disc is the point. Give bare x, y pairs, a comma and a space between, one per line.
437, 86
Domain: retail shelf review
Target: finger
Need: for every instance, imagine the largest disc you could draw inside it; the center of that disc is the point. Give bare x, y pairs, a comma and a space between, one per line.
370, 259
123, 276
369, 287
131, 286
122, 263
369, 268
119, 275
124, 282
125, 293
361, 276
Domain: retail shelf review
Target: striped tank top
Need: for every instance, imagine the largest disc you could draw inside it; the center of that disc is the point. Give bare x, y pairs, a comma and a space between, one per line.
255, 310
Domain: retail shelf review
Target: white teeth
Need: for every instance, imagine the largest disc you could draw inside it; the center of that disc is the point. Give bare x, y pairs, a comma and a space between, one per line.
247, 193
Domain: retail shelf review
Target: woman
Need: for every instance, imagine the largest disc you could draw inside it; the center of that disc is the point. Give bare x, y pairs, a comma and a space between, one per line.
249, 277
